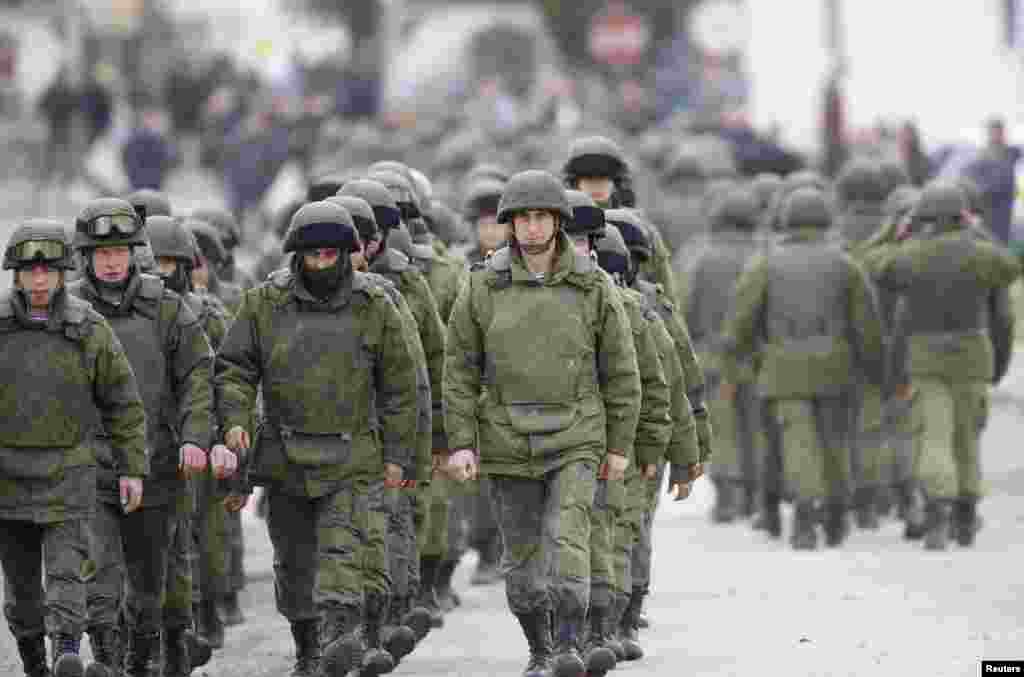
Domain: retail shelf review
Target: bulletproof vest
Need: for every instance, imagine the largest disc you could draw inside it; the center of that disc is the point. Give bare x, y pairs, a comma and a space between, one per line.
714, 287
540, 345
317, 369
806, 293
46, 394
947, 296
858, 224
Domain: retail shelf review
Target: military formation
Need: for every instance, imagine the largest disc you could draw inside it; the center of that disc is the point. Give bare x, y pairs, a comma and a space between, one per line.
524, 377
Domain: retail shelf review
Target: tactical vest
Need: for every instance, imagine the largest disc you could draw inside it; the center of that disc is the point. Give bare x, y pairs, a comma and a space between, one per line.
713, 290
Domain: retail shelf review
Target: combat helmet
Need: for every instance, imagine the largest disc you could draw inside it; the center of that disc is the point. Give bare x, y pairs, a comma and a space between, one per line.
533, 189
109, 222
321, 225
587, 217
39, 240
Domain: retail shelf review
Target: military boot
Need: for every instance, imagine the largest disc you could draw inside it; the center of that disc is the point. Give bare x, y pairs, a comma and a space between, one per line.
805, 535
537, 629
429, 566
33, 656
937, 518
629, 624
748, 500
177, 661
342, 641
770, 519
230, 611
966, 522
306, 635
611, 626
416, 617
598, 656
142, 649
66, 661
399, 639
915, 519
488, 568
726, 508
567, 661
446, 595
837, 522
199, 650
105, 642
377, 660
211, 628
866, 507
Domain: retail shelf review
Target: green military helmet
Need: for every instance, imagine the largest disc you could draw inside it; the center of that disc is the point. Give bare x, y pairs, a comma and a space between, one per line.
385, 209
587, 217
224, 221
109, 222
807, 207
765, 186
715, 191
400, 239
684, 165
39, 240
860, 181
633, 231
325, 186
894, 175
900, 202
322, 225
594, 156
738, 209
170, 239
482, 197
422, 185
447, 224
362, 215
802, 178
613, 254
487, 171
401, 190
209, 242
941, 202
149, 202
533, 189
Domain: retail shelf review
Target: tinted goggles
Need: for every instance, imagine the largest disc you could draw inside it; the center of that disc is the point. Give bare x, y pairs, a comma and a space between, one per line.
35, 250
120, 224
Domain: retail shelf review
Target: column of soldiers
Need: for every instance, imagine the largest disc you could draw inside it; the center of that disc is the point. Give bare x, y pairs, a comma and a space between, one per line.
400, 403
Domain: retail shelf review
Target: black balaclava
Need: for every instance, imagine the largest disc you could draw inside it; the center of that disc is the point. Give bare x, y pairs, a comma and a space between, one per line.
325, 282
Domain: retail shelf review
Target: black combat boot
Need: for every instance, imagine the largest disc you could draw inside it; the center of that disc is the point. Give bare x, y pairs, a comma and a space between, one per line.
568, 628
537, 629
415, 616
211, 628
866, 506
966, 522
105, 642
629, 624
377, 660
937, 519
342, 641
598, 655
726, 508
230, 611
837, 522
429, 565
33, 656
142, 649
611, 626
914, 514
177, 661
446, 595
399, 639
199, 650
770, 519
306, 635
805, 534
748, 500
66, 661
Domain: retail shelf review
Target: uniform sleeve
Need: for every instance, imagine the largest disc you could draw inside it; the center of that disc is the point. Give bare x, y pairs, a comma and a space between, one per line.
618, 374
655, 425
663, 272
192, 364
463, 369
424, 445
997, 266
432, 337
117, 397
395, 378
1001, 321
238, 367
743, 324
684, 447
865, 324
695, 383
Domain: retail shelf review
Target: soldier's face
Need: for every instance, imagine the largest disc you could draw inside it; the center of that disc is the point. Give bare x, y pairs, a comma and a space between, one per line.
534, 227
599, 188
112, 263
166, 266
490, 233
319, 259
39, 281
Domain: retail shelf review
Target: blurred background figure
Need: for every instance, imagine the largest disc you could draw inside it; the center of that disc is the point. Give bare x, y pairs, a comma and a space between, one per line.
149, 153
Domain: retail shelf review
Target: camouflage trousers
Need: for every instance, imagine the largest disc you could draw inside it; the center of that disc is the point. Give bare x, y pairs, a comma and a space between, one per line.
737, 424
871, 460
433, 509
815, 447
234, 551
130, 552
545, 526
209, 537
402, 548
947, 459
375, 558
609, 502
62, 550
318, 547
627, 535
647, 500
483, 532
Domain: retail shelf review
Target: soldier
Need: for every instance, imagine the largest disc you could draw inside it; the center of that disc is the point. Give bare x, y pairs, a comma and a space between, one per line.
339, 389
542, 387
710, 293
480, 209
68, 355
812, 310
949, 350
231, 238
170, 356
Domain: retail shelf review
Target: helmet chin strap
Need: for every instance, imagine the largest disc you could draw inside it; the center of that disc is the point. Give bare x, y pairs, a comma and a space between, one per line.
537, 249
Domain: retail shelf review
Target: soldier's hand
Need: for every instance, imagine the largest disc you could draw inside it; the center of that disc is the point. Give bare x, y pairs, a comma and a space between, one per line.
191, 460
223, 461
237, 439
679, 485
614, 466
392, 476
694, 471
727, 391
235, 502
904, 392
650, 471
131, 493
463, 465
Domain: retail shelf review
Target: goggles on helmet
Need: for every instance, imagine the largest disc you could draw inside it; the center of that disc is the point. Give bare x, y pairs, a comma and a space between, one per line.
121, 224
34, 250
